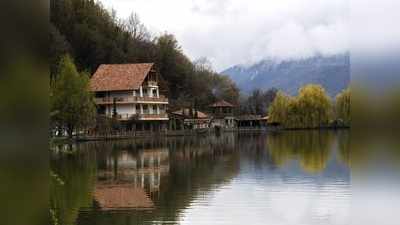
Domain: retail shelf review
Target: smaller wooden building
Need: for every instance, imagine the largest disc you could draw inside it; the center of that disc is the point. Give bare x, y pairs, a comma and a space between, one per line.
249, 121
222, 109
252, 122
223, 115
188, 118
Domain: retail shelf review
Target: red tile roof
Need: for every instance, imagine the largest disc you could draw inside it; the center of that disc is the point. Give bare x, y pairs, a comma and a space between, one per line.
222, 103
119, 77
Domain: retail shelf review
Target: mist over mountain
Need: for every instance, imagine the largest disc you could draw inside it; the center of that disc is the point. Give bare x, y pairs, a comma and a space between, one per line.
332, 72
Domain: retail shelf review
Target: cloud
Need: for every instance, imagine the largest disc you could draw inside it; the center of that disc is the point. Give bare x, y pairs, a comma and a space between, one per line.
230, 32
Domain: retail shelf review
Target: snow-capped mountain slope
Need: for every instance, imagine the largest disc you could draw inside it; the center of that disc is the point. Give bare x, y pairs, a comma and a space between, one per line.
332, 72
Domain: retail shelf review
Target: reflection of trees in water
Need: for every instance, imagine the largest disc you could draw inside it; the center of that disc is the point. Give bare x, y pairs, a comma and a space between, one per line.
78, 173
311, 148
196, 165
344, 147
252, 150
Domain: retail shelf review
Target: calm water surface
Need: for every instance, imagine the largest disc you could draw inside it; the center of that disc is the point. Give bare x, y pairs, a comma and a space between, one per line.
286, 178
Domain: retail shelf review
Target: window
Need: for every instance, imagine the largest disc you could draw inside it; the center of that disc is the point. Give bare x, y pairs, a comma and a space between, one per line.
100, 94
137, 109
101, 109
145, 109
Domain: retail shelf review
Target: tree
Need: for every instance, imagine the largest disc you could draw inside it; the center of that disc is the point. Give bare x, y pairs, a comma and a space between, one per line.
225, 89
71, 98
203, 64
92, 35
57, 50
136, 28
258, 102
315, 106
312, 108
278, 111
342, 106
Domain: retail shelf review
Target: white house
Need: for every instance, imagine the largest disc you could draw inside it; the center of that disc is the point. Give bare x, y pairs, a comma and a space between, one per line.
132, 91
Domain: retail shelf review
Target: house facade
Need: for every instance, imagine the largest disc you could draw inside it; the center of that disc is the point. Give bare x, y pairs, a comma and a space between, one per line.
131, 93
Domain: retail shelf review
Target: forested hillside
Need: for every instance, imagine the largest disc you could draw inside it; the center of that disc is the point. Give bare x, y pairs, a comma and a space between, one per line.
92, 35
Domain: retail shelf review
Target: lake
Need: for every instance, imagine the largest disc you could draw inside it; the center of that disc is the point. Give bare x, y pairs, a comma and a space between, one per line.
290, 177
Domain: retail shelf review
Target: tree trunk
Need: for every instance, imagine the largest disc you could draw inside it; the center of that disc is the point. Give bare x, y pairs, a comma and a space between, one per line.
70, 130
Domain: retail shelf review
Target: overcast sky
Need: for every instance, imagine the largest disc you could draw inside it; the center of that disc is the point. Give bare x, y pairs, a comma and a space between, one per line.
230, 32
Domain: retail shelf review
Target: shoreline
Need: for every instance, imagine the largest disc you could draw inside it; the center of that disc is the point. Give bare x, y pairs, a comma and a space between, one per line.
66, 140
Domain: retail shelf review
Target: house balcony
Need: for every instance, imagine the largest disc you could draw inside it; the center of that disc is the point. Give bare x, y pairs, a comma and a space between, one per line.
151, 84
133, 99
161, 116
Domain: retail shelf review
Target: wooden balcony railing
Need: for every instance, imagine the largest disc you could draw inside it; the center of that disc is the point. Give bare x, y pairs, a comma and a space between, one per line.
133, 99
153, 116
161, 116
151, 83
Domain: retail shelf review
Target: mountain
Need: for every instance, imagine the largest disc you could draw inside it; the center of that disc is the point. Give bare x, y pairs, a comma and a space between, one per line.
332, 72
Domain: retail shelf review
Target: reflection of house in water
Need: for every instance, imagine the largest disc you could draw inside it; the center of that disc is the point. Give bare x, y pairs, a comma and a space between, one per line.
121, 196
211, 147
194, 167
129, 180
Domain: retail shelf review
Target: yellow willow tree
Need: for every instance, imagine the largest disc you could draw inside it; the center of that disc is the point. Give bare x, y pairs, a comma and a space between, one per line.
294, 114
342, 106
278, 110
313, 107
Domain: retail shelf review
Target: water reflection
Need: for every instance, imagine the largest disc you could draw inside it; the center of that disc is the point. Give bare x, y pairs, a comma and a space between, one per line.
124, 176
78, 173
286, 178
311, 148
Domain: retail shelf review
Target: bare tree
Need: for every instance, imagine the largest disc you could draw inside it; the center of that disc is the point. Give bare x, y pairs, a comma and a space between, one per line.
203, 64
136, 28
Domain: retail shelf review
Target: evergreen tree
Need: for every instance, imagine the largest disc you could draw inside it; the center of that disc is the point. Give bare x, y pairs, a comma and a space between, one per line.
71, 98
